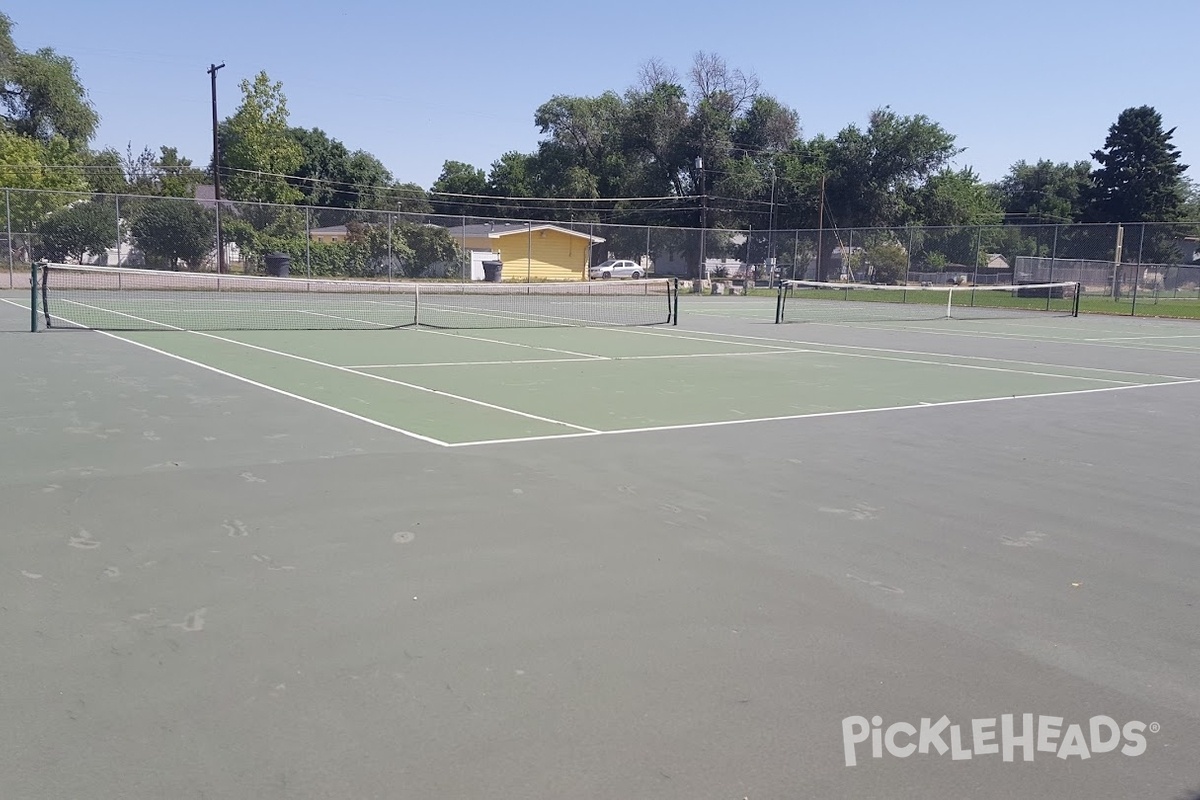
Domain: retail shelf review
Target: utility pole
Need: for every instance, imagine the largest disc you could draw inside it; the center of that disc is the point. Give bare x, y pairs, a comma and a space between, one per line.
212, 71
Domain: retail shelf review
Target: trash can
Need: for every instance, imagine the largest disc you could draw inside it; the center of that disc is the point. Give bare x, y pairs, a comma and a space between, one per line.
492, 270
278, 264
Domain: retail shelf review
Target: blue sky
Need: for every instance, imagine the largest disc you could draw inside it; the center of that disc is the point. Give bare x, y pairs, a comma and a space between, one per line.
418, 83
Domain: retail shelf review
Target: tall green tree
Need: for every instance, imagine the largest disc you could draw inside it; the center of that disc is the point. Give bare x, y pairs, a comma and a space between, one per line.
76, 230
1140, 178
261, 153
955, 197
177, 176
40, 94
172, 231
1045, 192
457, 187
331, 175
49, 167
103, 171
409, 198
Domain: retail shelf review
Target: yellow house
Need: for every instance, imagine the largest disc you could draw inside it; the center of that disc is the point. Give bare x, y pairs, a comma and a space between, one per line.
334, 233
535, 251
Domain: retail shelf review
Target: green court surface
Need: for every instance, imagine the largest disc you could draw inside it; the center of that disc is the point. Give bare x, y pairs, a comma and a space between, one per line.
466, 388
657, 561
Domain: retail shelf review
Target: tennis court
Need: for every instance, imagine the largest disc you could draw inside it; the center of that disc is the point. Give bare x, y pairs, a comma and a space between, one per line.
604, 556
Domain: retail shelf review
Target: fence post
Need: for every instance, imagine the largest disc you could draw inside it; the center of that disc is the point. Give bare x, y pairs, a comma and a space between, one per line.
33, 298
8, 227
1137, 273
466, 264
646, 266
528, 250
307, 239
117, 202
796, 253
908, 258
389, 256
1053, 258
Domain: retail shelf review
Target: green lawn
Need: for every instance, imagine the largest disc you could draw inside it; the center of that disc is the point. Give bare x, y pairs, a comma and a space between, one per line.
1147, 306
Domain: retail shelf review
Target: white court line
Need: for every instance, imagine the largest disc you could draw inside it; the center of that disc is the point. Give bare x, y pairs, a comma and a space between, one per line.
1140, 338
662, 356
301, 398
474, 363
327, 365
820, 414
587, 356
817, 347
1019, 337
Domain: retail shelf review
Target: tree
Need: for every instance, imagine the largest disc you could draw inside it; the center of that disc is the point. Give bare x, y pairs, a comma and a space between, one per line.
78, 229
170, 231
955, 198
30, 164
331, 175
410, 198
1140, 178
1045, 191
104, 172
260, 152
41, 95
873, 173
177, 176
888, 259
457, 187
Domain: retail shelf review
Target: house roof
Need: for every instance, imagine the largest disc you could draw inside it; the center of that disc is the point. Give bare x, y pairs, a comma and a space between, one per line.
494, 230
331, 229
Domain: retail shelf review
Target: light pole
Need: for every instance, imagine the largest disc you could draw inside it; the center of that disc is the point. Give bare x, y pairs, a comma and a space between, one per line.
212, 71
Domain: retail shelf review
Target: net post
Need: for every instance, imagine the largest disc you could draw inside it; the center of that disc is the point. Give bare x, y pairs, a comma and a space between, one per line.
675, 302
43, 288
33, 298
416, 304
949, 303
779, 303
1075, 305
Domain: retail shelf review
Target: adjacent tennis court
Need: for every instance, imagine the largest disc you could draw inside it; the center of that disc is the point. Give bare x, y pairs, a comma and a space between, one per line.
345, 539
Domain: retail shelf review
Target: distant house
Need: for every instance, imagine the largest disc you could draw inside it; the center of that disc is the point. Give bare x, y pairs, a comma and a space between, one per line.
997, 261
539, 251
333, 233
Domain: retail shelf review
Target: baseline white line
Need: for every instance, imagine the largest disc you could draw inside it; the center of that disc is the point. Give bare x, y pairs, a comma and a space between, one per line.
350, 371
664, 357
820, 414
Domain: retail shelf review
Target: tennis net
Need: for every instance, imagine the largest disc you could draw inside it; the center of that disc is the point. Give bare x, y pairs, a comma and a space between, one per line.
111, 298
812, 301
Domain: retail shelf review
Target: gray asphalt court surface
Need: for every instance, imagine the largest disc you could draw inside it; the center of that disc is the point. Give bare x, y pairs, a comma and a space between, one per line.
670, 565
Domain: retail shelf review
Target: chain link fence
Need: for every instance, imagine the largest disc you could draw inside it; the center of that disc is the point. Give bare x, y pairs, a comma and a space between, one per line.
1128, 269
